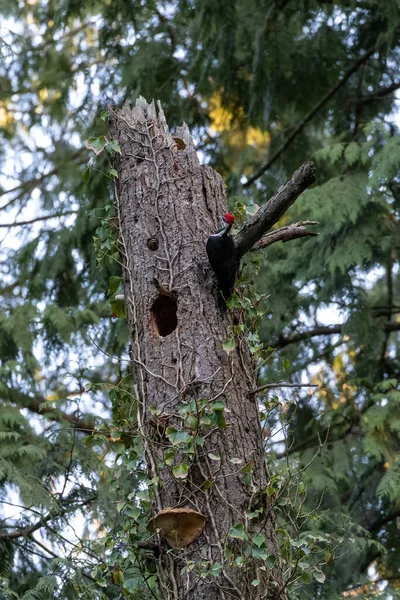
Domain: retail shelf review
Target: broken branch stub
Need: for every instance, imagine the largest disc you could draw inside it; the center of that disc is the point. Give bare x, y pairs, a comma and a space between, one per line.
274, 209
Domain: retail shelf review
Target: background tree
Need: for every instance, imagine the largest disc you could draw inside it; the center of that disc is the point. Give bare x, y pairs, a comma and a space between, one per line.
262, 86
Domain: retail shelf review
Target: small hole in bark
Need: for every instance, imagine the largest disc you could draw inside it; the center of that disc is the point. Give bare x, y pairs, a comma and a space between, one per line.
152, 243
164, 315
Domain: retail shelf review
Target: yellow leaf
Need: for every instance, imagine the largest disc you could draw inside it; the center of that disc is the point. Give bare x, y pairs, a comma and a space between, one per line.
6, 118
37, 375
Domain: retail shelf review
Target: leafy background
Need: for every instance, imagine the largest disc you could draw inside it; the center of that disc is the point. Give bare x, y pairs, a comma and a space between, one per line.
263, 86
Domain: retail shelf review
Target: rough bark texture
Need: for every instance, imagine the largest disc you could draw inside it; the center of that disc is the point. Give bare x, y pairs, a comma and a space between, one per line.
167, 205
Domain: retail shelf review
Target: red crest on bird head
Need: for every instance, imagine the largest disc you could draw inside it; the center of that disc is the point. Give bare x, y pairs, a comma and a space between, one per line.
229, 218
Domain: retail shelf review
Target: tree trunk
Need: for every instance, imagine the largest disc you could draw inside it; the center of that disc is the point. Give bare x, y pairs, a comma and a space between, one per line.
196, 414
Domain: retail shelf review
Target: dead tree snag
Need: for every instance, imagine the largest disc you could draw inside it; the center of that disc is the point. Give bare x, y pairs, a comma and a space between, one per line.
196, 412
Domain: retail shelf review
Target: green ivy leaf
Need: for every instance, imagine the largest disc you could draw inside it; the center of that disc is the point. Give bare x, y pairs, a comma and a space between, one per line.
228, 346
248, 468
191, 422
254, 514
113, 147
233, 301
258, 540
180, 471
143, 495
113, 173
130, 585
306, 577
302, 487
86, 175
260, 553
238, 532
216, 406
113, 284
319, 576
97, 144
177, 437
118, 309
169, 456
207, 484
216, 569
117, 577
213, 456
219, 419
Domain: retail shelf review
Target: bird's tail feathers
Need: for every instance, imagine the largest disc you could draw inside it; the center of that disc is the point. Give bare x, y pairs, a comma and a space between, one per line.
221, 304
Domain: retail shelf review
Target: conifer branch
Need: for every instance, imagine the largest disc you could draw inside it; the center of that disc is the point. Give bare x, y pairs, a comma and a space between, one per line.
320, 104
43, 546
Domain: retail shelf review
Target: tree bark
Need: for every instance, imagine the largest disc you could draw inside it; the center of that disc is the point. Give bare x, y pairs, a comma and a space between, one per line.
196, 414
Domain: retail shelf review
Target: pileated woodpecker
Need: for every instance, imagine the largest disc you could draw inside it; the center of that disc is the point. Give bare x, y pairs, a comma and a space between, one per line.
222, 256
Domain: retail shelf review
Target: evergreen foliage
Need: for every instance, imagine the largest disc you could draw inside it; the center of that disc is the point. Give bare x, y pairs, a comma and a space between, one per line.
259, 82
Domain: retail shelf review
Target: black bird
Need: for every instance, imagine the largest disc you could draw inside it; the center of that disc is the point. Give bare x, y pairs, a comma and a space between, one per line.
221, 253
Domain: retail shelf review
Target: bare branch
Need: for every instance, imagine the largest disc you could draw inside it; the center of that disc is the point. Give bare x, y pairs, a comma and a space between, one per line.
320, 104
270, 386
84, 424
25, 187
27, 531
42, 218
285, 234
377, 94
272, 211
283, 341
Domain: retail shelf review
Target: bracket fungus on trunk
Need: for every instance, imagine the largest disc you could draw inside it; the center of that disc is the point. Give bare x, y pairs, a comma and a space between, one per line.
180, 527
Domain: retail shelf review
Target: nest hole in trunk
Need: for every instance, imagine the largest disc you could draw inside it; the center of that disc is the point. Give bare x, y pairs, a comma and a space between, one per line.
164, 311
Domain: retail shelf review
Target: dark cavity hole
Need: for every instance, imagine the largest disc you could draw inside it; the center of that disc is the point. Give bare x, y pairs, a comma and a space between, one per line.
152, 244
164, 315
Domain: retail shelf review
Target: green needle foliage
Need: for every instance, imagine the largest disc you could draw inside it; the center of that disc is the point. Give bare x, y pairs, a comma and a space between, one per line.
263, 85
